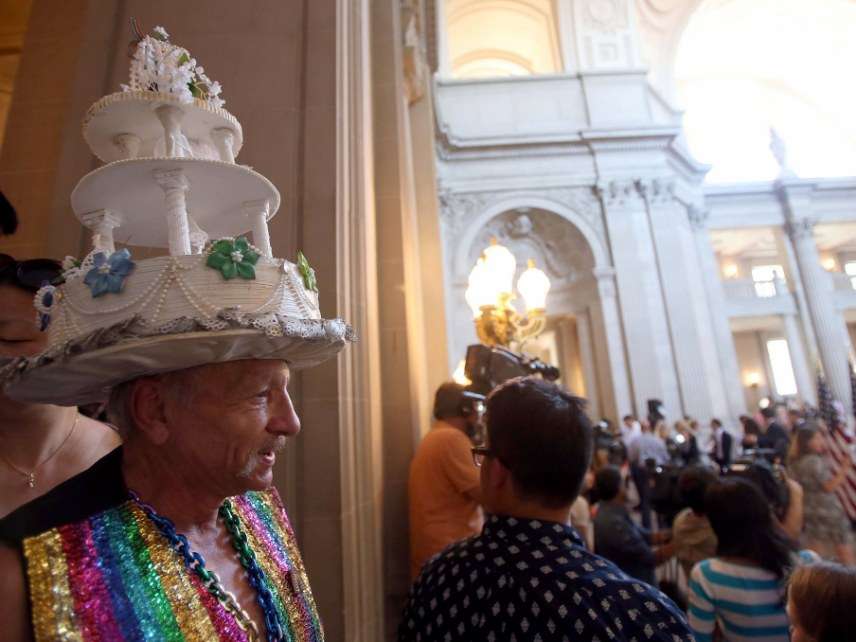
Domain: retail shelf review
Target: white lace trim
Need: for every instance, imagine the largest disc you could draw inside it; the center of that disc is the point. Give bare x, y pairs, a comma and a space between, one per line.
271, 324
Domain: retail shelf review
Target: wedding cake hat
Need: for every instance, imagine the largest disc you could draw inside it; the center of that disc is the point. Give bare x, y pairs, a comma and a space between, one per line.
170, 180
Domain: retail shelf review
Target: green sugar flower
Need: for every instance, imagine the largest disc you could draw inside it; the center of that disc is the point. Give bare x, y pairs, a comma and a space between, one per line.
306, 272
233, 258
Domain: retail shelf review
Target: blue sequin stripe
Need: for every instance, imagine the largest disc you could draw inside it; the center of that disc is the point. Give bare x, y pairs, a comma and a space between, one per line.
277, 530
123, 610
132, 579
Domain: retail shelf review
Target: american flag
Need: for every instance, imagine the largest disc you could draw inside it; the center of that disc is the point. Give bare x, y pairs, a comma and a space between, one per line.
839, 445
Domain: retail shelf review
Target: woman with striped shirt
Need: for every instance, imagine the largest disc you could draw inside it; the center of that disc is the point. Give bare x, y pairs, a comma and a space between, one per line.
739, 595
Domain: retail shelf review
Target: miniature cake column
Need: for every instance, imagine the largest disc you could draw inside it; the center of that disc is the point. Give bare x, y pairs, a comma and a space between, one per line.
102, 222
174, 185
224, 140
170, 118
257, 212
128, 144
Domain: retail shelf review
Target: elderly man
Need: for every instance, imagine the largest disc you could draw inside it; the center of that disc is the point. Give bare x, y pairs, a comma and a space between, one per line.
528, 576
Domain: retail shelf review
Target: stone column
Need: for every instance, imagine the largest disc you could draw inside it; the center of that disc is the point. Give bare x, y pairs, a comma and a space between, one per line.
828, 325
620, 388
257, 213
102, 223
723, 337
587, 361
802, 371
175, 185
649, 348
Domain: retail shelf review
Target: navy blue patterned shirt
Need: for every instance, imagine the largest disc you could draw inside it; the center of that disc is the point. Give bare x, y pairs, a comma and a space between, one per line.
527, 580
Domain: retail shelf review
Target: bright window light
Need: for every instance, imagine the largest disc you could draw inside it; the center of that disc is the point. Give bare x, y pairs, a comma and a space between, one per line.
783, 371
744, 66
850, 270
765, 277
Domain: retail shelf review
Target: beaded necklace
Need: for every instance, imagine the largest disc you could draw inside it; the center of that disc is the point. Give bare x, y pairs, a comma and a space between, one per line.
194, 561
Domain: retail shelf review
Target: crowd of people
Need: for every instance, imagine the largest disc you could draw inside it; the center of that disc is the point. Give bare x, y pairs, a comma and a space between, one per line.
722, 523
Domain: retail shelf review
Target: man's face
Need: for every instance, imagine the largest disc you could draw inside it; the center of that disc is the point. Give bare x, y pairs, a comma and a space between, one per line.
236, 419
19, 336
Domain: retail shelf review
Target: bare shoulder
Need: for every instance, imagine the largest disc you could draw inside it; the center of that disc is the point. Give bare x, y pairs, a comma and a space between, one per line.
13, 596
100, 438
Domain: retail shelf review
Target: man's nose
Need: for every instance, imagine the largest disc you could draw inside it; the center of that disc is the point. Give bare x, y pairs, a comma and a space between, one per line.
283, 419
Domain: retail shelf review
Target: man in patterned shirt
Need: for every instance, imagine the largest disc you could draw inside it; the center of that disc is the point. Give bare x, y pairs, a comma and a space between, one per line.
528, 576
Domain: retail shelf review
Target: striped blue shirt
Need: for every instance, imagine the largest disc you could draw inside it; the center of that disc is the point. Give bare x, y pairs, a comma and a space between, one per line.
746, 602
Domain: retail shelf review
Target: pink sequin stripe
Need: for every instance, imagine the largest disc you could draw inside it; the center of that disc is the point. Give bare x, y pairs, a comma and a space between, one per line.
224, 622
88, 587
260, 530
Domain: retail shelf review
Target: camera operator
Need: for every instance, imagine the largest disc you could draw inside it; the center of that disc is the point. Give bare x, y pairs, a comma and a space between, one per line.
783, 494
644, 450
444, 485
685, 443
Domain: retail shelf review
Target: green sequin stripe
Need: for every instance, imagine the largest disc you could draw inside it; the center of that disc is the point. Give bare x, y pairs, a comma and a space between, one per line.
139, 572
265, 504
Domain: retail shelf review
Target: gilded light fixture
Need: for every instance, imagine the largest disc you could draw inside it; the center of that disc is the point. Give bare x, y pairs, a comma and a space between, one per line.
490, 295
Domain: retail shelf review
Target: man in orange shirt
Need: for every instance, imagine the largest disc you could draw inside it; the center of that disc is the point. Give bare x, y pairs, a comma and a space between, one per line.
444, 483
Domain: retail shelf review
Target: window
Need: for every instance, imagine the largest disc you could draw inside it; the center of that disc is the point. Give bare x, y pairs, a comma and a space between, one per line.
765, 277
850, 270
780, 364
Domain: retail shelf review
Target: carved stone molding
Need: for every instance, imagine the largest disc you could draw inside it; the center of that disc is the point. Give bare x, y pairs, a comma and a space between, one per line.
606, 15
414, 62
800, 228
459, 209
605, 281
698, 217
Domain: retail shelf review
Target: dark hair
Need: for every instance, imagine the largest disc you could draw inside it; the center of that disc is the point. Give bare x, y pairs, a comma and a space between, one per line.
716, 422
799, 445
744, 525
607, 483
8, 217
542, 435
449, 400
628, 417
692, 485
750, 426
822, 597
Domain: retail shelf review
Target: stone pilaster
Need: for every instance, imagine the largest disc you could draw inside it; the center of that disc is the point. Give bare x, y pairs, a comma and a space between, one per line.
640, 298
799, 361
724, 339
619, 388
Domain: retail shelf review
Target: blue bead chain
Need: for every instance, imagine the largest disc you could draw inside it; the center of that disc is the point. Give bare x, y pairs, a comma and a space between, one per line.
195, 562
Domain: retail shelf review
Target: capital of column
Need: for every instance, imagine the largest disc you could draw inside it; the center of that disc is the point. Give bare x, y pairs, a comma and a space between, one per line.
657, 191
102, 223
617, 192
171, 179
605, 276
800, 228
698, 217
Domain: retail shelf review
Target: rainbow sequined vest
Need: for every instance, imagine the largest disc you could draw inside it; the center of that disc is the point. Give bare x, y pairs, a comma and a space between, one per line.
115, 576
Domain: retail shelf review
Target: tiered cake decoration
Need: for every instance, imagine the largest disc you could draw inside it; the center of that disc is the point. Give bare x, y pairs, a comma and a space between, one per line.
170, 180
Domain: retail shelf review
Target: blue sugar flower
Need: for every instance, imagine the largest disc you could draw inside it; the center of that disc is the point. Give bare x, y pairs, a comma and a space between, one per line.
109, 273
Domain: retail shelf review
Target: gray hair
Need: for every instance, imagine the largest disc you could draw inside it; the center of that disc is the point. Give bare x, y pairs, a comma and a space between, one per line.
179, 385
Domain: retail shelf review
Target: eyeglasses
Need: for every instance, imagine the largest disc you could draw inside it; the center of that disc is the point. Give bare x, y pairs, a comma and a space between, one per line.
30, 274
480, 453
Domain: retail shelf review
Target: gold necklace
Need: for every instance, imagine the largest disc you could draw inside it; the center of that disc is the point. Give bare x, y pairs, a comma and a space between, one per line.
31, 475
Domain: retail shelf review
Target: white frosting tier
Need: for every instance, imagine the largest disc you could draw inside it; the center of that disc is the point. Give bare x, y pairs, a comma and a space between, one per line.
128, 125
217, 196
166, 288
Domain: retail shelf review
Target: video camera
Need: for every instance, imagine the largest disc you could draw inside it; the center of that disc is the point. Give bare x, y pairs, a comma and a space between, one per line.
488, 367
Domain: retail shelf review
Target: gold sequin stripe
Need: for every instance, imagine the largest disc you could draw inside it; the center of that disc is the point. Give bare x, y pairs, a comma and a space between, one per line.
189, 611
50, 594
273, 503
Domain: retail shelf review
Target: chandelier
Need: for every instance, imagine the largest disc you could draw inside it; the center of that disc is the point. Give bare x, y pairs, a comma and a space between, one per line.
490, 295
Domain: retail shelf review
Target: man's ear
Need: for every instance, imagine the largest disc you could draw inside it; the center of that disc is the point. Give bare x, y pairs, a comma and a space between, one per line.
148, 409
